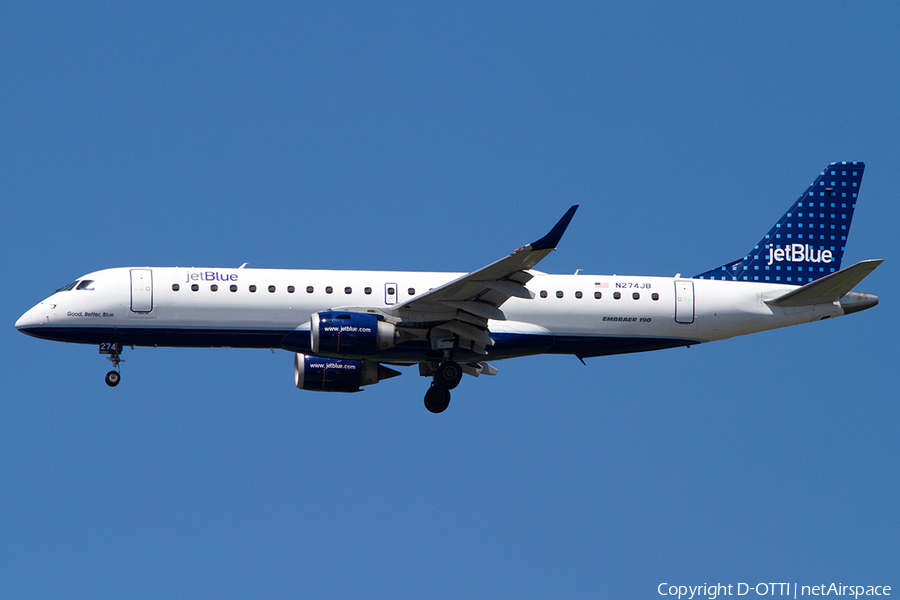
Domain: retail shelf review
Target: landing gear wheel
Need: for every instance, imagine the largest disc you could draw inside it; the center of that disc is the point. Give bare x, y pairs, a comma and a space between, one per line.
114, 350
437, 399
448, 375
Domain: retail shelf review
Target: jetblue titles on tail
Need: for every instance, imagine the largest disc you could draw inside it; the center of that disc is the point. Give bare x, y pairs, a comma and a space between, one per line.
343, 327
808, 241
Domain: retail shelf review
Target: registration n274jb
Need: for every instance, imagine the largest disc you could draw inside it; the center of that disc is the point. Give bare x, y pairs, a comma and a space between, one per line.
345, 327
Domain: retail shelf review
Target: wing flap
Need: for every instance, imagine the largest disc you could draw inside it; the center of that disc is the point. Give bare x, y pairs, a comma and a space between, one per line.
470, 332
479, 368
508, 287
479, 309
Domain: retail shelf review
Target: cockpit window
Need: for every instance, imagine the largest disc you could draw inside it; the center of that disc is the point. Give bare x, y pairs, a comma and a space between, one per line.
66, 288
87, 284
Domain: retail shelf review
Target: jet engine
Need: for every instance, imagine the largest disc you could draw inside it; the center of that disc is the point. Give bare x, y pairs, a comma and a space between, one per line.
335, 375
336, 333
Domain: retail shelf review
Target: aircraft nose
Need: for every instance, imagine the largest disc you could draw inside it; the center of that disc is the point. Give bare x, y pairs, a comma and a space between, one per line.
30, 320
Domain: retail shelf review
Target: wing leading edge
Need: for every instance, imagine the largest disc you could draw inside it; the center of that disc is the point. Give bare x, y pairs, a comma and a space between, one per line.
464, 305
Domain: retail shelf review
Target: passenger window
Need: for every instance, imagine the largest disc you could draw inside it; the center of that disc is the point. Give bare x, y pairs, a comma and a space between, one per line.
368, 291
655, 296
195, 287
348, 290
617, 295
391, 291
233, 288
271, 289
252, 288
175, 287
329, 289
309, 289
559, 294
598, 295
214, 288
543, 293
411, 291
290, 289
578, 294
87, 284
636, 296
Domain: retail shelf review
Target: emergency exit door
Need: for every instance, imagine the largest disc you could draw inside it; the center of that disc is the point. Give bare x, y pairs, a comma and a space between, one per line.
390, 293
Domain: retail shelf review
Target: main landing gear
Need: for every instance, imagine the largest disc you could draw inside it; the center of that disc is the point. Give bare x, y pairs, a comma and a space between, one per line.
114, 352
446, 377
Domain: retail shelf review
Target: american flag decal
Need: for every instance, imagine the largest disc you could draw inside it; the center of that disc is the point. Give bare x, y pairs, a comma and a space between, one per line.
601, 285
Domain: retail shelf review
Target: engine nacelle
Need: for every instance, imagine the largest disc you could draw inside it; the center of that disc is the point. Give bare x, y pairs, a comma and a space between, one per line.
337, 333
335, 375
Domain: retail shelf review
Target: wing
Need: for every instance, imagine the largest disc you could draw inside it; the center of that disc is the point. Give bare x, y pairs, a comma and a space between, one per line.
463, 306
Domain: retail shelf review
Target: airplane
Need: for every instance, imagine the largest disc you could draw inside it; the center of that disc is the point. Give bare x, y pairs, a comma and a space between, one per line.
347, 328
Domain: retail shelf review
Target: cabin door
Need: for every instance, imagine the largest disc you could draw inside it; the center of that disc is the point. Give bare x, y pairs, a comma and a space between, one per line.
141, 290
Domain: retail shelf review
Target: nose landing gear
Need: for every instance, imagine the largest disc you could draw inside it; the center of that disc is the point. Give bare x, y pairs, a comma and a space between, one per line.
114, 351
446, 377
113, 378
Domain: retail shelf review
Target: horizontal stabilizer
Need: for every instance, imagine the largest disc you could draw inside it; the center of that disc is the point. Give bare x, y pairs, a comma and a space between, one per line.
830, 288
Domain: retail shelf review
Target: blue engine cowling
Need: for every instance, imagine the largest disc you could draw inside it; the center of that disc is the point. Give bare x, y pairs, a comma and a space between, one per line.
337, 333
335, 375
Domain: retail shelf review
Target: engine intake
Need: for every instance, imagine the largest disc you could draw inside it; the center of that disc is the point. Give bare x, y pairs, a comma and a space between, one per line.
336, 333
335, 375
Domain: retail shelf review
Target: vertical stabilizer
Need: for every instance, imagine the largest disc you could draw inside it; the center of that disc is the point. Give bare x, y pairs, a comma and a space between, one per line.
808, 241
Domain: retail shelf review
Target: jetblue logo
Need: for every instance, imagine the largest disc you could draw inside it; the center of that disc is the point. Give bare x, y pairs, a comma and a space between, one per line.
211, 276
799, 253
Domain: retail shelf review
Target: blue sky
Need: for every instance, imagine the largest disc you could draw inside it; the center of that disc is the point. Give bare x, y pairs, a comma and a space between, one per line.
441, 137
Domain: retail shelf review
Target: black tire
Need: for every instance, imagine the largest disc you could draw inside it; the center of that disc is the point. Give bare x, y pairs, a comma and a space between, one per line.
113, 378
448, 375
437, 399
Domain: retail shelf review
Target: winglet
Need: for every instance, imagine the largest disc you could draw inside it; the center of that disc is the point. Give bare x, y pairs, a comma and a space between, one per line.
549, 241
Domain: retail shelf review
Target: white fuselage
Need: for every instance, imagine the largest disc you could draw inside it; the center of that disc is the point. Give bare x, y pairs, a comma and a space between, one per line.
586, 315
